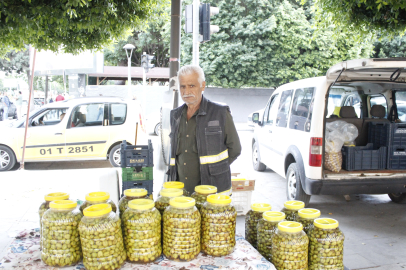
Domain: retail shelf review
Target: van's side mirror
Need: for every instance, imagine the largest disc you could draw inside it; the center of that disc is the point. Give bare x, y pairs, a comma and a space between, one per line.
255, 117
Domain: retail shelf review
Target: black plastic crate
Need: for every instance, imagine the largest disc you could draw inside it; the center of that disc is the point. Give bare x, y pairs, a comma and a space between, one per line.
379, 134
364, 158
398, 134
137, 155
397, 157
147, 184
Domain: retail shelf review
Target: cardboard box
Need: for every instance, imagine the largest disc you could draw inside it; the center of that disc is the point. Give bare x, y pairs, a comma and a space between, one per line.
242, 184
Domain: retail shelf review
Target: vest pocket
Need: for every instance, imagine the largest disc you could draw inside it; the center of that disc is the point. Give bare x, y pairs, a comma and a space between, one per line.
219, 168
214, 137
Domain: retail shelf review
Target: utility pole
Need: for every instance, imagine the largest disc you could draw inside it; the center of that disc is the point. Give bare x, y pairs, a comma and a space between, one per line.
196, 42
174, 59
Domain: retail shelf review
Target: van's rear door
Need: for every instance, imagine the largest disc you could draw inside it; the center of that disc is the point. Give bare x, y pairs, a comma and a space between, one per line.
376, 69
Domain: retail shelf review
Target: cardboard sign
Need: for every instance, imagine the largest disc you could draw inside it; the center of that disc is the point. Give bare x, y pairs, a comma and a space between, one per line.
242, 184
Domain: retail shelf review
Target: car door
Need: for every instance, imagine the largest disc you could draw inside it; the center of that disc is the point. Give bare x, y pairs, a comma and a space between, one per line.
87, 132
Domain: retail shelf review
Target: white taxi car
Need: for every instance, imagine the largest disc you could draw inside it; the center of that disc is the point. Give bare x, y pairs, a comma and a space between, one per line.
89, 128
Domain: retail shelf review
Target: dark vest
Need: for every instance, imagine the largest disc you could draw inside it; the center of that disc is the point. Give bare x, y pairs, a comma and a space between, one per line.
211, 147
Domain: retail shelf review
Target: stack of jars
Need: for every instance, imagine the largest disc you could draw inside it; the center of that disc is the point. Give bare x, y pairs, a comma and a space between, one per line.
251, 221
165, 196
201, 193
291, 209
266, 230
218, 225
98, 198
307, 217
175, 184
129, 195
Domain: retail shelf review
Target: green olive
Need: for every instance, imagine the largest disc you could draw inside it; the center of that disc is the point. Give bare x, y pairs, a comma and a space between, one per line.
291, 215
290, 250
123, 203
60, 237
142, 235
218, 229
41, 211
181, 233
326, 248
251, 222
200, 199
102, 242
161, 204
307, 223
88, 203
266, 230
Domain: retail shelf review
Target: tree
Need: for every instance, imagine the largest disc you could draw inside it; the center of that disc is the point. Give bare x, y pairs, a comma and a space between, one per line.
395, 47
364, 16
268, 43
78, 25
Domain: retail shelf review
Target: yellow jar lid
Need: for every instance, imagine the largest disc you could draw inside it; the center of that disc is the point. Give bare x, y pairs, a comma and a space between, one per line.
273, 216
141, 204
326, 223
171, 192
182, 202
294, 205
97, 210
97, 196
206, 189
135, 192
290, 226
173, 184
261, 207
309, 213
219, 199
63, 204
56, 196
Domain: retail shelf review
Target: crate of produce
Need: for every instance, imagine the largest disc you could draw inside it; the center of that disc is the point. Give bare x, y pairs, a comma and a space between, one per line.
379, 134
147, 184
137, 155
242, 201
364, 157
398, 134
397, 157
137, 173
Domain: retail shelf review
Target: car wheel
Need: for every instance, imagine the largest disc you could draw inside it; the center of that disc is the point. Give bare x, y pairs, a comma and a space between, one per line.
294, 190
115, 156
398, 197
157, 129
256, 162
7, 158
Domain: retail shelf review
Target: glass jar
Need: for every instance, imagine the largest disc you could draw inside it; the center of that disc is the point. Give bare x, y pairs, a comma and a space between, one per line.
165, 196
307, 217
251, 221
181, 230
176, 184
142, 231
326, 248
129, 195
266, 229
98, 198
101, 238
201, 193
60, 235
290, 246
291, 208
218, 225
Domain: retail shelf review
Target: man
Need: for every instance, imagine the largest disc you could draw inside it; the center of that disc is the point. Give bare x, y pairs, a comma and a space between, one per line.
59, 98
204, 140
6, 107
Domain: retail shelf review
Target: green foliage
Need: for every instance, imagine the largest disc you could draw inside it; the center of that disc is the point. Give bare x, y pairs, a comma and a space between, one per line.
78, 25
395, 47
14, 60
363, 16
265, 43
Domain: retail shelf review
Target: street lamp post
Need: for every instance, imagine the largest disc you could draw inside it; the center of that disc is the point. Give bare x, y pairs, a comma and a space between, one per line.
129, 51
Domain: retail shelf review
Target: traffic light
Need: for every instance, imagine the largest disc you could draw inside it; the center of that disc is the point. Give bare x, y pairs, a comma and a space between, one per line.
205, 29
146, 62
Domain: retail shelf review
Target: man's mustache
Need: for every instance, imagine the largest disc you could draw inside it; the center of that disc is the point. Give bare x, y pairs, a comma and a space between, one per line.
191, 95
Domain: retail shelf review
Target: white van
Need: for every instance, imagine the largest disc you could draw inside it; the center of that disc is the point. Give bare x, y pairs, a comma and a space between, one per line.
289, 137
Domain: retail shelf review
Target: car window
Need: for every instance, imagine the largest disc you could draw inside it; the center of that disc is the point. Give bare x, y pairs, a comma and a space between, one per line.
49, 117
302, 108
87, 115
379, 100
118, 114
354, 100
400, 97
270, 113
283, 109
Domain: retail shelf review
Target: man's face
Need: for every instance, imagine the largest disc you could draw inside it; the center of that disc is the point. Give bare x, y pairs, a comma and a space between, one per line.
190, 89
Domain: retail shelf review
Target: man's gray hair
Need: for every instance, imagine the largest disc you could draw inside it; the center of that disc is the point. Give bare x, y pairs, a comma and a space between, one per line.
190, 69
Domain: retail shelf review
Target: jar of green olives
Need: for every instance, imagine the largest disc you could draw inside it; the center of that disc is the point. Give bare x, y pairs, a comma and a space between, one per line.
165, 196
98, 198
176, 184
181, 230
201, 193
307, 217
60, 235
218, 225
101, 238
266, 229
142, 231
326, 248
129, 195
251, 221
290, 246
291, 208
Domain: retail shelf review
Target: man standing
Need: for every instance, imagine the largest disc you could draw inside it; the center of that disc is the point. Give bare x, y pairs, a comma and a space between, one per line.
59, 98
6, 107
204, 140
19, 103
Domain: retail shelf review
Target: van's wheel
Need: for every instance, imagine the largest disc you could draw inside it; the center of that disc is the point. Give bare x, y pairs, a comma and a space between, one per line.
115, 156
398, 197
294, 190
157, 129
7, 158
256, 161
